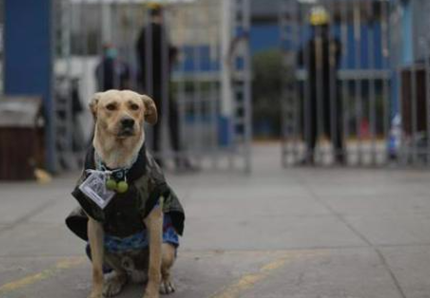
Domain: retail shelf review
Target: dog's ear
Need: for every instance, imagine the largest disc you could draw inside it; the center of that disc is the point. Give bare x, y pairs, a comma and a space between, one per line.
151, 115
94, 101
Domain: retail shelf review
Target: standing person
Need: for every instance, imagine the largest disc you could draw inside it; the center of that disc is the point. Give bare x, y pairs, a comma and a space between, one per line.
77, 108
320, 57
112, 72
156, 58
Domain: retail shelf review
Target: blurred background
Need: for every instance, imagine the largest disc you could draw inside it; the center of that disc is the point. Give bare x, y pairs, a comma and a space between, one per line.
295, 133
334, 81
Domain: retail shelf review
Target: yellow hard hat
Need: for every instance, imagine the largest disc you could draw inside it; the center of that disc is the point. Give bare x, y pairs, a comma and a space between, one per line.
154, 5
319, 16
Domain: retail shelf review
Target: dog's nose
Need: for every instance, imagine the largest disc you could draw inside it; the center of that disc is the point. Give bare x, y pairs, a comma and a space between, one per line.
127, 122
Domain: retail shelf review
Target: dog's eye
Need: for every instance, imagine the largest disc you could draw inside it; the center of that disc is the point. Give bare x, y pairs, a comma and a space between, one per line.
134, 107
111, 107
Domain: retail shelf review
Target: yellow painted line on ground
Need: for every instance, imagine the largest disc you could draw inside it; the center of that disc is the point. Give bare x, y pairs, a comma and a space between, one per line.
248, 281
43, 275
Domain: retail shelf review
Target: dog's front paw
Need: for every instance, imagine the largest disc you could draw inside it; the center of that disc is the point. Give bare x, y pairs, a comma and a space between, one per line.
151, 295
114, 284
151, 292
96, 295
167, 287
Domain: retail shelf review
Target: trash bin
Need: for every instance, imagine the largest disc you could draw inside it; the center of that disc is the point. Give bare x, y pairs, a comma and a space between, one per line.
21, 136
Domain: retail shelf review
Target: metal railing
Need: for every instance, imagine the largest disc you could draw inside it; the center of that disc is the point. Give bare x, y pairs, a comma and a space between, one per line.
355, 89
194, 61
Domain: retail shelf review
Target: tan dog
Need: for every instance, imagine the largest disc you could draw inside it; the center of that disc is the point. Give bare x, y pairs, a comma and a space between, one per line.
119, 134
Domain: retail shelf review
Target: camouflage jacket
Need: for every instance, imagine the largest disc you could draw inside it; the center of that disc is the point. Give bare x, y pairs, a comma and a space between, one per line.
124, 215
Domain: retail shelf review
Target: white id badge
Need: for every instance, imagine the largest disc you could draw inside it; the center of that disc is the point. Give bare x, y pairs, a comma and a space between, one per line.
94, 187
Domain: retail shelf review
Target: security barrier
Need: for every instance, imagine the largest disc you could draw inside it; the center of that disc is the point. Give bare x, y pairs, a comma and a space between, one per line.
355, 89
192, 57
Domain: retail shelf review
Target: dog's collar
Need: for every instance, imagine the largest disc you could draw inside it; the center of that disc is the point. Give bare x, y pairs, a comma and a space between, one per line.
118, 173
137, 169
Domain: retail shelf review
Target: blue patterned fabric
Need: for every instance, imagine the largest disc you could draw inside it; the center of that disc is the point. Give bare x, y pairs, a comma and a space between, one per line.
140, 240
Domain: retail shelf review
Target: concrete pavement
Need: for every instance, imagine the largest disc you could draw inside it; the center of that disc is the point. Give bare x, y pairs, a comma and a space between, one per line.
297, 233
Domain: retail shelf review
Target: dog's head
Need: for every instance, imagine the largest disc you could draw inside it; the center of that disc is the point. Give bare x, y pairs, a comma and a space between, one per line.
121, 114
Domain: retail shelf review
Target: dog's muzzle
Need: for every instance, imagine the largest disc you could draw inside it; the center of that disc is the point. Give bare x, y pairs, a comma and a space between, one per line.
127, 127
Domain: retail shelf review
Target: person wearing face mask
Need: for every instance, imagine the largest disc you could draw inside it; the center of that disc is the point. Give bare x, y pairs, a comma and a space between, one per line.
111, 71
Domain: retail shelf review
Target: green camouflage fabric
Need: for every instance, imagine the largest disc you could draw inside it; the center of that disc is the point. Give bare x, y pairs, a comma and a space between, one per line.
125, 214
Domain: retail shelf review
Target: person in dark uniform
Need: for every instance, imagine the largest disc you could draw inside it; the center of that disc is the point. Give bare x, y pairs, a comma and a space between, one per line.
321, 57
156, 58
112, 72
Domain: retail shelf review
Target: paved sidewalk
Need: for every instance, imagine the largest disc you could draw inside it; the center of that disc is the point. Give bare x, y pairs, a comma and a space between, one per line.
296, 233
